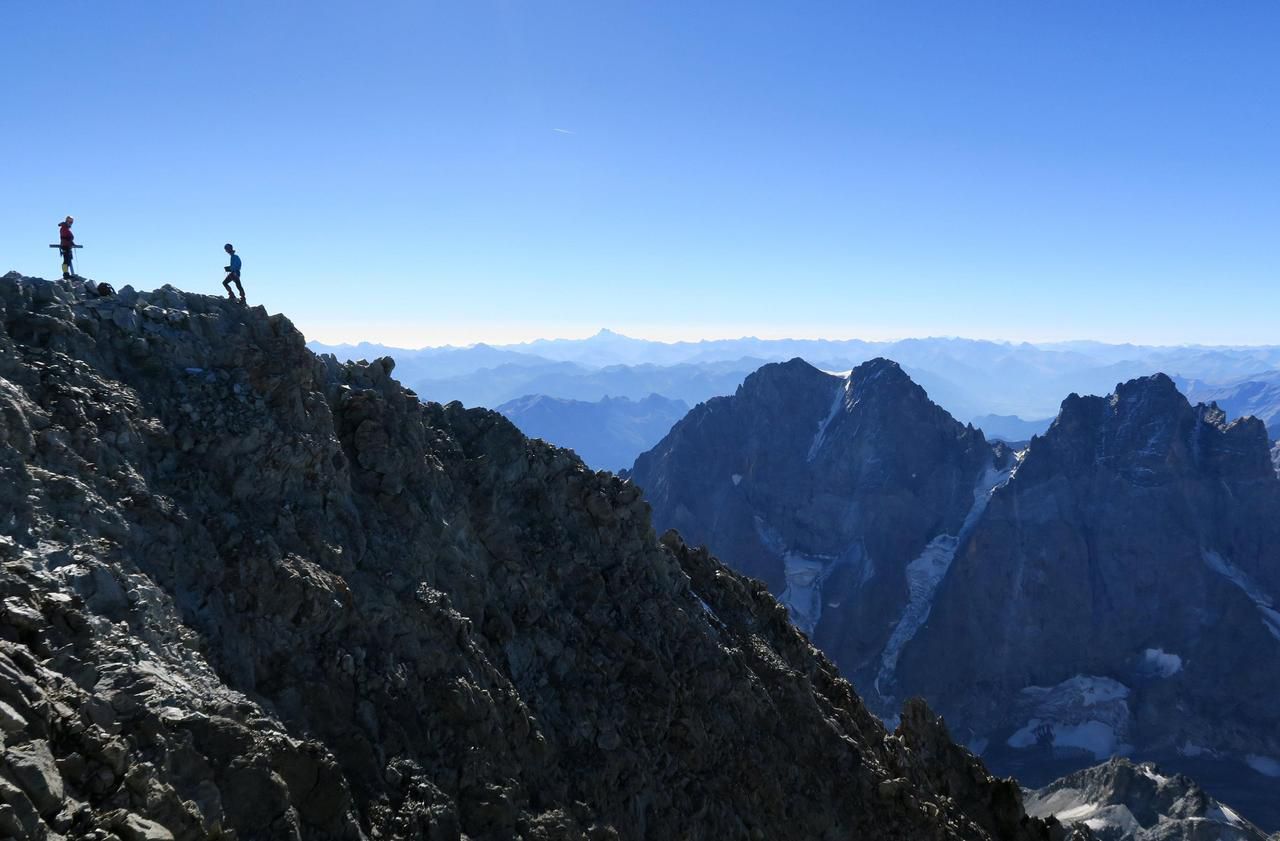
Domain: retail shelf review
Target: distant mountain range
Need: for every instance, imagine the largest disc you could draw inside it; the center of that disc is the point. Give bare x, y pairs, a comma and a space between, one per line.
1010, 391
1114, 588
607, 433
1010, 428
1257, 395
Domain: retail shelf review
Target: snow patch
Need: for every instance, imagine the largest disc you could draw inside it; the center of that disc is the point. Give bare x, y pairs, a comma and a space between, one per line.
1156, 661
1267, 766
841, 390
1227, 815
804, 573
1109, 821
1075, 813
1150, 773
1266, 606
926, 572
803, 595
1095, 737
1086, 712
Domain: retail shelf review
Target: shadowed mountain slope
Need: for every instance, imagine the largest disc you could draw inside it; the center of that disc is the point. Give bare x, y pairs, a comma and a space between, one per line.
1115, 588
251, 593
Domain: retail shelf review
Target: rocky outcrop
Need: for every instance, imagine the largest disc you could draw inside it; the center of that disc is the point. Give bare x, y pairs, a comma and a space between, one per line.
997, 805
1121, 801
250, 593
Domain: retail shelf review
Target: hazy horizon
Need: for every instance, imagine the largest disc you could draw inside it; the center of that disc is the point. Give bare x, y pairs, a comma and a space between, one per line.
730, 337
488, 171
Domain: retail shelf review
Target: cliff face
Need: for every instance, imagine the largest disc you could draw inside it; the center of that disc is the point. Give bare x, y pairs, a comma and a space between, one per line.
827, 489
1135, 551
251, 593
1114, 588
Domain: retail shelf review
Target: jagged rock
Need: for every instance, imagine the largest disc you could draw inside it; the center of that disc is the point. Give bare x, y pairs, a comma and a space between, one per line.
282, 598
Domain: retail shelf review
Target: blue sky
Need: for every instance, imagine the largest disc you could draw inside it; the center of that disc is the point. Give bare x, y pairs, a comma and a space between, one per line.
429, 173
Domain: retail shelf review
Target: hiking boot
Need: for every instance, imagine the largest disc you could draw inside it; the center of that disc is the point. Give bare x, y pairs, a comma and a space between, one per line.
231, 297
242, 301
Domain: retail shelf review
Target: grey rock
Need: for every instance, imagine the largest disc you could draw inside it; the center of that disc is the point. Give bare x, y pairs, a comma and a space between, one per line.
132, 827
10, 720
34, 769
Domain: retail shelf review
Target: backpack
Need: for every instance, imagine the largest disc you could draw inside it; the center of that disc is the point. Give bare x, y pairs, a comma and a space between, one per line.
105, 289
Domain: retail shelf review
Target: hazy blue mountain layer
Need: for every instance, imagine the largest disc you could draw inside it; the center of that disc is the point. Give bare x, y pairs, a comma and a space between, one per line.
1257, 396
1010, 427
969, 378
607, 434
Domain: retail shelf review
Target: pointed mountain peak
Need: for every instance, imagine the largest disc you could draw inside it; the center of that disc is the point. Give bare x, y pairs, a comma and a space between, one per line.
1156, 391
880, 366
786, 378
881, 373
882, 380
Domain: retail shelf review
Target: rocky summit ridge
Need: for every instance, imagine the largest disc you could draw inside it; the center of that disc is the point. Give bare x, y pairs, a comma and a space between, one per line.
251, 593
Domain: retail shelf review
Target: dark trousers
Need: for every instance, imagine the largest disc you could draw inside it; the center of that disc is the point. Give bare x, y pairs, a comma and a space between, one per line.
233, 277
67, 269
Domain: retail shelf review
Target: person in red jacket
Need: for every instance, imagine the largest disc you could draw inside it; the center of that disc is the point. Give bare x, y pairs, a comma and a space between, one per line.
66, 245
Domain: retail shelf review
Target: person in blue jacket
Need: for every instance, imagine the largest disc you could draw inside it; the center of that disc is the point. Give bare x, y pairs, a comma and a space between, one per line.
233, 273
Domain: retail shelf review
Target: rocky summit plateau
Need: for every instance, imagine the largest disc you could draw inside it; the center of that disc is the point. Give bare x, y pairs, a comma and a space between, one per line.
1111, 589
251, 593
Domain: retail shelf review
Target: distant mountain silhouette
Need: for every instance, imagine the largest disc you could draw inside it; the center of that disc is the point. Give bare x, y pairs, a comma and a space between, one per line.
607, 434
970, 378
